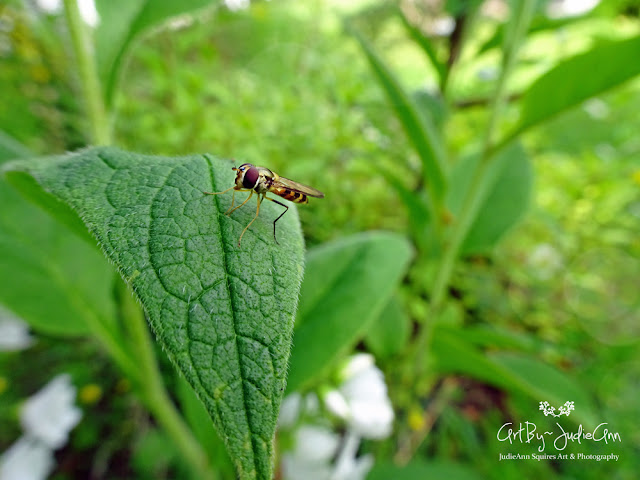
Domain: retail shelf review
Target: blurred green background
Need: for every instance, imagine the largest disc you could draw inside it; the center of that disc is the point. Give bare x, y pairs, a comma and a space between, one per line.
283, 84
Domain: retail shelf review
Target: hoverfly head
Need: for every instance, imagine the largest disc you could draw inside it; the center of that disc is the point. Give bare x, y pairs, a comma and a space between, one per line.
248, 176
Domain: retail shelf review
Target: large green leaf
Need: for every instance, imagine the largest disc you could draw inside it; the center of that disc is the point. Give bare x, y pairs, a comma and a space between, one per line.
577, 79
348, 284
509, 183
223, 314
121, 21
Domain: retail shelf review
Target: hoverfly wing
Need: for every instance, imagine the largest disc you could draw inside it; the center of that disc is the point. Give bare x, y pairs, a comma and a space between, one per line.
298, 187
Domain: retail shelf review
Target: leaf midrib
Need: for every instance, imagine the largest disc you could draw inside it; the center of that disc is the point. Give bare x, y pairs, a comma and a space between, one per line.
233, 312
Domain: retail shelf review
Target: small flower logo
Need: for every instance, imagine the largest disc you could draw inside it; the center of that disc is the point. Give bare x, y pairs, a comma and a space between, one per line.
563, 410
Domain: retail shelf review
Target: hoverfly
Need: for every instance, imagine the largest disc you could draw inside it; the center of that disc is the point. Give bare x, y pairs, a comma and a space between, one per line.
261, 180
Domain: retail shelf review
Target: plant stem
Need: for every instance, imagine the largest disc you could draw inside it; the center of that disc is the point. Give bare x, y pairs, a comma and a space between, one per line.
478, 187
409, 446
154, 394
84, 52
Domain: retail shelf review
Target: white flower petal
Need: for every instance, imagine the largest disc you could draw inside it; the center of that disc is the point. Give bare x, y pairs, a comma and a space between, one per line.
311, 404
14, 333
336, 403
570, 8
371, 419
295, 468
235, 5
88, 12
347, 466
27, 459
545, 261
290, 410
315, 444
50, 6
357, 363
50, 414
371, 412
368, 384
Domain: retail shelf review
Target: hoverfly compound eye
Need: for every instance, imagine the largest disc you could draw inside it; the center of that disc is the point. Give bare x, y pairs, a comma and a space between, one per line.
251, 177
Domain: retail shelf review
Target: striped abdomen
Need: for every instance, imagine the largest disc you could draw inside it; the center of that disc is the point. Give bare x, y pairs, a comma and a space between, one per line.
290, 195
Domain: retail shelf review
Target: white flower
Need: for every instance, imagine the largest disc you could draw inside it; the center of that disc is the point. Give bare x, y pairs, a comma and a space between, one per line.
87, 9
14, 333
50, 6
235, 5
443, 26
596, 108
315, 443
336, 403
311, 457
545, 260
370, 412
348, 467
311, 404
570, 8
50, 414
290, 410
89, 13
314, 451
27, 459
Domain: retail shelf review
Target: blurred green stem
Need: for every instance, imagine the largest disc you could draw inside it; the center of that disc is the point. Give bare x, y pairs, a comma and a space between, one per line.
87, 69
517, 29
153, 391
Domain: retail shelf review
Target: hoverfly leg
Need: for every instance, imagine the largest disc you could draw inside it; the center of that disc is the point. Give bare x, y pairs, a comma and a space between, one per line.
217, 193
233, 198
254, 218
279, 217
232, 208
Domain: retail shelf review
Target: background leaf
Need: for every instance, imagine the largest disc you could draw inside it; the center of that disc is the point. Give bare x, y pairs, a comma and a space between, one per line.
200, 424
121, 21
389, 332
11, 148
514, 372
348, 283
577, 79
223, 314
509, 187
43, 260
418, 125
421, 470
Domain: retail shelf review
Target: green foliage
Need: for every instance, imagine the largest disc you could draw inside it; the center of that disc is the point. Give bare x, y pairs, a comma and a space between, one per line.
578, 78
517, 373
509, 185
348, 284
488, 297
389, 334
420, 128
71, 277
122, 23
227, 328
39, 255
418, 470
